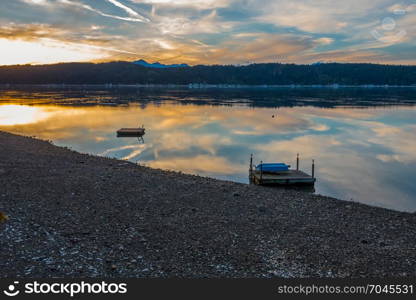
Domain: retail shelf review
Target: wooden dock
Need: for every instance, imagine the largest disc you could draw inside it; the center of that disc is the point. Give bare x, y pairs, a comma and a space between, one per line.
291, 177
130, 132
283, 178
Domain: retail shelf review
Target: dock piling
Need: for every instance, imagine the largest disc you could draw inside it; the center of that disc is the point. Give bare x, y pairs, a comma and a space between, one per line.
261, 172
297, 162
250, 171
313, 168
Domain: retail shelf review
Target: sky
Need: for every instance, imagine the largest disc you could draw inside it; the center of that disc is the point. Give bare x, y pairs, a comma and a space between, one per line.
208, 31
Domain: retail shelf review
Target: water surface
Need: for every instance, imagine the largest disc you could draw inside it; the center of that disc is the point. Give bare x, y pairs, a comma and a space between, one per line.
363, 140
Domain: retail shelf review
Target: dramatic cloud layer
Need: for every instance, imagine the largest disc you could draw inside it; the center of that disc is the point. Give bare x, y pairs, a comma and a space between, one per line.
208, 31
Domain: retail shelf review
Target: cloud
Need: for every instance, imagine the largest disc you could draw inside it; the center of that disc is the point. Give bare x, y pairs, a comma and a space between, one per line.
36, 2
255, 47
222, 31
46, 51
325, 41
207, 23
136, 17
202, 4
129, 11
51, 44
323, 16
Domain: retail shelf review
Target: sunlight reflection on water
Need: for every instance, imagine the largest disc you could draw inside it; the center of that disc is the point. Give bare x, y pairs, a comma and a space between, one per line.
365, 154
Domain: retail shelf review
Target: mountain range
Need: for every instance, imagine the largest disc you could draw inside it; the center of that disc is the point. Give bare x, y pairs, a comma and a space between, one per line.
158, 65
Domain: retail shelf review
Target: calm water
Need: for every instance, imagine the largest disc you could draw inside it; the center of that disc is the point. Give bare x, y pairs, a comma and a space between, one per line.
363, 141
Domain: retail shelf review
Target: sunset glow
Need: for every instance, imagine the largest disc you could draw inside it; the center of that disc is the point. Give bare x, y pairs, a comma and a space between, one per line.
45, 52
11, 115
207, 32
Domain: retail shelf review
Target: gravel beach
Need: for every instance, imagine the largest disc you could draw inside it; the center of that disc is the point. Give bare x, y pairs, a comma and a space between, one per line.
76, 215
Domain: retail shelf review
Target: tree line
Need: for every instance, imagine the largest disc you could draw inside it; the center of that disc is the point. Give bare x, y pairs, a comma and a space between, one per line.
255, 74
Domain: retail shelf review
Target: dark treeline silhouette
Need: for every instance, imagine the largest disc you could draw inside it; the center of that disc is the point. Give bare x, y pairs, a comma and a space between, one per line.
256, 74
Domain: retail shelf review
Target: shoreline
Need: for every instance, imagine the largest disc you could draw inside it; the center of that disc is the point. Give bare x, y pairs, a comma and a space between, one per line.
202, 86
78, 215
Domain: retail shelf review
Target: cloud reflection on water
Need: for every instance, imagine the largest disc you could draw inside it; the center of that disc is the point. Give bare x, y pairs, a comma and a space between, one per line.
367, 155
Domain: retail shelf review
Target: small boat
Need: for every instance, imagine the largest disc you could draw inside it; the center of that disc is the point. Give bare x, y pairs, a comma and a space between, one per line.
131, 132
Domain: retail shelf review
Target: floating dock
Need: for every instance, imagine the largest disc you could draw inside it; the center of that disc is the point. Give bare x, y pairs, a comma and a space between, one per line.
291, 177
284, 178
130, 132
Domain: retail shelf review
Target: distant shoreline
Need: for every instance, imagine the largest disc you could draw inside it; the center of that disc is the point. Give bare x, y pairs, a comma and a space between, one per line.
197, 86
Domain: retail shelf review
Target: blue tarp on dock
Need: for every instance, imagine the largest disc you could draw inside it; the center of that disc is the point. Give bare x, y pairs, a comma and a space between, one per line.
273, 167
